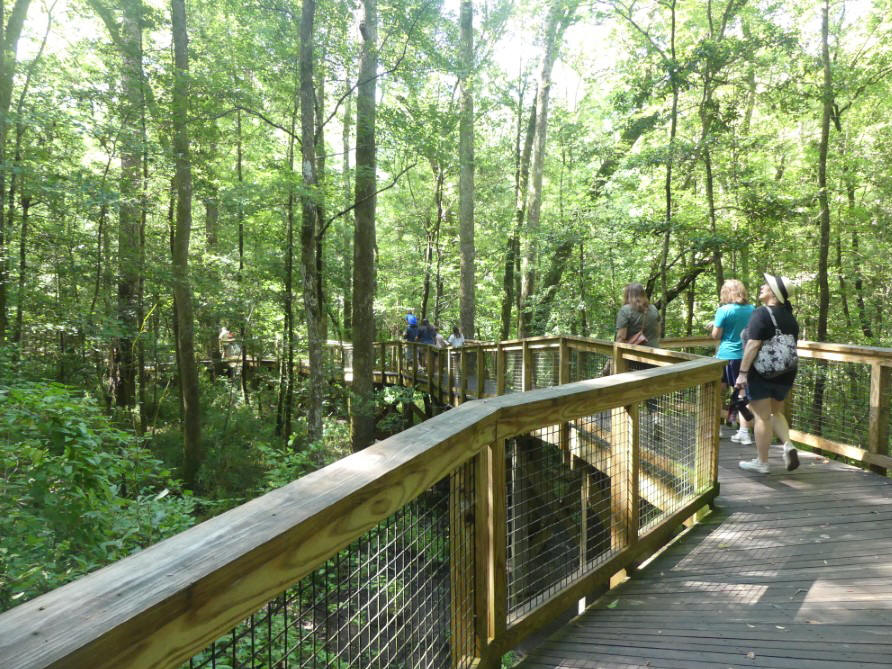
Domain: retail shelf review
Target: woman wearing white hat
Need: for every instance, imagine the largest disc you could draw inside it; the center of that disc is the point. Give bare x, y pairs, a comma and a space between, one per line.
767, 392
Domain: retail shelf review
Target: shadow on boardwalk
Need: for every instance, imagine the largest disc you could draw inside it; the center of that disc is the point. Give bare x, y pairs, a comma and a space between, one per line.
793, 570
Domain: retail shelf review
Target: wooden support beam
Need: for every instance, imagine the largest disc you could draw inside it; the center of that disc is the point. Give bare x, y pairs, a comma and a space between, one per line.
481, 373
878, 429
500, 370
463, 371
526, 367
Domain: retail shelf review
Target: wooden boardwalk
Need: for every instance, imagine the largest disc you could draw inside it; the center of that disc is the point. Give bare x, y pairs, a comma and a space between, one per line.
792, 570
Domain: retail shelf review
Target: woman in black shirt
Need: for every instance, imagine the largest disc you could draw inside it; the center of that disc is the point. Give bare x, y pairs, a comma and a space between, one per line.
766, 395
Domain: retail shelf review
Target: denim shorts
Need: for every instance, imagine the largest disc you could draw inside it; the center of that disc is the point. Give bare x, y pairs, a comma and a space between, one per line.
760, 388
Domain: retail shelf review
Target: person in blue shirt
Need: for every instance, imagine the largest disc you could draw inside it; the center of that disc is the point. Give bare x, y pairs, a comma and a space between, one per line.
730, 320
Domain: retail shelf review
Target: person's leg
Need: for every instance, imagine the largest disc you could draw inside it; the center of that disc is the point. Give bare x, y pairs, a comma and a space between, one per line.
762, 417
782, 430
779, 421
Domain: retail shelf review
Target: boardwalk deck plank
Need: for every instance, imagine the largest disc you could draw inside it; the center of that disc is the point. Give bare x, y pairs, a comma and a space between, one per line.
792, 570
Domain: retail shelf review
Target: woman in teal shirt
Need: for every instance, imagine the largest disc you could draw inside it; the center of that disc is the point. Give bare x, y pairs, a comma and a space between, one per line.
730, 320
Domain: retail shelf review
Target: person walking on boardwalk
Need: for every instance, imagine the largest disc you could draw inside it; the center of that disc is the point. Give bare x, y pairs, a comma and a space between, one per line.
730, 320
768, 369
456, 339
638, 321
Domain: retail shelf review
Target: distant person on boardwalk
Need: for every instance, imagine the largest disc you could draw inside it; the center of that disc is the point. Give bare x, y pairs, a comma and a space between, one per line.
730, 320
772, 327
456, 339
427, 334
439, 342
638, 321
411, 333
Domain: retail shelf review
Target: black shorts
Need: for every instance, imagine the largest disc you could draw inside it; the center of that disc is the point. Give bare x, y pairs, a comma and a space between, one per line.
760, 388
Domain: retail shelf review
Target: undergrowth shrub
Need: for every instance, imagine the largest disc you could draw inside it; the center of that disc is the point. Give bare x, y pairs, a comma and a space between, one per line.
75, 492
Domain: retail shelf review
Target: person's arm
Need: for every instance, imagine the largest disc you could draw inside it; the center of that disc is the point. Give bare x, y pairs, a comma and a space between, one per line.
749, 355
621, 334
716, 332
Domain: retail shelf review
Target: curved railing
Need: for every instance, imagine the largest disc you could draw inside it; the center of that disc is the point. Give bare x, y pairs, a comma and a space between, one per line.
442, 546
449, 543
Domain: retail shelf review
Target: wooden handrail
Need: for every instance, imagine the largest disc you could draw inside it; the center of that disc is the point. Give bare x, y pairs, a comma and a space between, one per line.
161, 605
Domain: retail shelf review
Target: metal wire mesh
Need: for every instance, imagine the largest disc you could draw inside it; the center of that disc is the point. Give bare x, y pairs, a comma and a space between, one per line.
513, 371
560, 517
489, 372
587, 364
546, 366
675, 438
384, 601
832, 399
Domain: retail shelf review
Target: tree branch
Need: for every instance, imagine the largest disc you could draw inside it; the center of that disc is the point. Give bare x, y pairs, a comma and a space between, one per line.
368, 197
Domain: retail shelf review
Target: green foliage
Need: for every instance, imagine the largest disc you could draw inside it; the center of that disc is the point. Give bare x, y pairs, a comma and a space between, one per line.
75, 492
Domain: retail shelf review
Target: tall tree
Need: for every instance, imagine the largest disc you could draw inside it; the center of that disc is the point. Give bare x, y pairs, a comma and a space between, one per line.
127, 38
9, 39
309, 220
823, 199
362, 409
466, 170
182, 289
560, 14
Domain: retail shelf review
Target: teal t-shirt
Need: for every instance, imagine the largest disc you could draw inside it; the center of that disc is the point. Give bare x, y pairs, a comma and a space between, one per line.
732, 318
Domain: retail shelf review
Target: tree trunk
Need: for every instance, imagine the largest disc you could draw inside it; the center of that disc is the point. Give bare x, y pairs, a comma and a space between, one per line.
824, 242
240, 214
466, 172
347, 237
673, 127
309, 218
182, 290
362, 408
9, 38
558, 19
521, 178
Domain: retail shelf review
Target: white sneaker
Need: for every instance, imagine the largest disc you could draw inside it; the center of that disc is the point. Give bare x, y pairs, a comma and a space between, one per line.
754, 465
743, 438
791, 457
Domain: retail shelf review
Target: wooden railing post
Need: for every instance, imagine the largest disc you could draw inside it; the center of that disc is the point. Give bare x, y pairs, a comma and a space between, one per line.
450, 376
878, 428
400, 352
441, 353
463, 372
491, 512
624, 477
619, 363
429, 367
526, 367
706, 452
383, 352
413, 348
481, 370
500, 370
564, 377
564, 362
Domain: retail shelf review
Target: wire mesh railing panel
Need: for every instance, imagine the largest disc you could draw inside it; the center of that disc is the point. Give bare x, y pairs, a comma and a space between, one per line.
831, 399
602, 455
546, 368
561, 518
513, 371
587, 365
471, 362
400, 596
489, 372
675, 447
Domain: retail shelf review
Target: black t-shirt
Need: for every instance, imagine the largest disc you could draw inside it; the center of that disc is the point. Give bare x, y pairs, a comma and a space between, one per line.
760, 327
